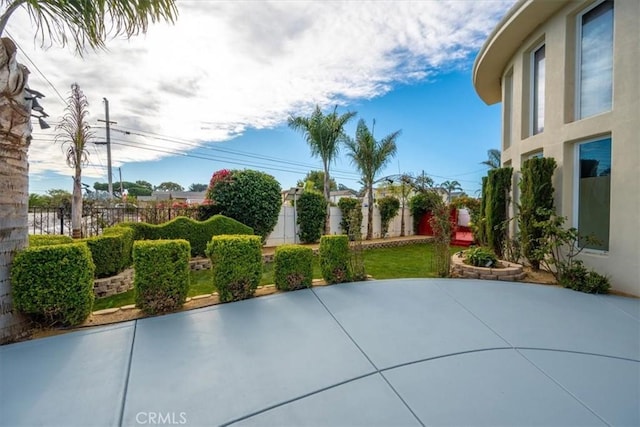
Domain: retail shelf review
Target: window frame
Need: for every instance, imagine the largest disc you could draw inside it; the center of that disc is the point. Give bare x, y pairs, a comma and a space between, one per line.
532, 86
508, 110
578, 60
576, 189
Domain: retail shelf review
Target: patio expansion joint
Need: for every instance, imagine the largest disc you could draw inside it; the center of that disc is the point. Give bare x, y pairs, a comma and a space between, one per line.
127, 376
556, 382
377, 370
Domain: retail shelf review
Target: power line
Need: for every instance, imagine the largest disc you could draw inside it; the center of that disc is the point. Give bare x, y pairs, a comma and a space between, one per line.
36, 67
224, 150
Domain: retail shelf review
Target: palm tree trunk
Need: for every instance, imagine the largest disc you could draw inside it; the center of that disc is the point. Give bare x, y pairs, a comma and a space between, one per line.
327, 220
76, 205
370, 213
402, 218
15, 136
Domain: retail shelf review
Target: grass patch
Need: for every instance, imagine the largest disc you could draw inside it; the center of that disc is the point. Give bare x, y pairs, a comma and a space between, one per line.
386, 263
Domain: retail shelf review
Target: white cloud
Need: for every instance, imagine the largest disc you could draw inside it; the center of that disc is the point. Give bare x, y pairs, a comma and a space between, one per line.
228, 66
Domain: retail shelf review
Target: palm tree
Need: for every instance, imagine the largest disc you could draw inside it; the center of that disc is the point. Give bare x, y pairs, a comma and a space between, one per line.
370, 156
323, 134
450, 187
74, 135
85, 24
493, 160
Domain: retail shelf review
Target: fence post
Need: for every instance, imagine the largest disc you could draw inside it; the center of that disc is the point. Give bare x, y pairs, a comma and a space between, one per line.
61, 219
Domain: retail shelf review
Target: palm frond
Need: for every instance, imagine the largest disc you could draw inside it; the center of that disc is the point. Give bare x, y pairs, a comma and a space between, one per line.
88, 23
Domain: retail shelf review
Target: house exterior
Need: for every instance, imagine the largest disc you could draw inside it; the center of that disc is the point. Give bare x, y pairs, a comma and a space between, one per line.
568, 76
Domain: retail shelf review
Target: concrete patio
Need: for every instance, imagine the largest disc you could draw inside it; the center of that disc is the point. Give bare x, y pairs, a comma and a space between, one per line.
390, 353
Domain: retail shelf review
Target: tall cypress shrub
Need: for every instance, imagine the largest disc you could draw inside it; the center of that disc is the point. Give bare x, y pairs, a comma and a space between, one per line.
480, 231
497, 194
536, 191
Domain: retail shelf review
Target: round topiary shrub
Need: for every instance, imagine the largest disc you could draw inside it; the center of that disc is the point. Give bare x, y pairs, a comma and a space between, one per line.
293, 267
334, 259
54, 284
248, 196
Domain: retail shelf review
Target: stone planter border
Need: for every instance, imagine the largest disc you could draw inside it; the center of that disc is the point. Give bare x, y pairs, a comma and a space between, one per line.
509, 271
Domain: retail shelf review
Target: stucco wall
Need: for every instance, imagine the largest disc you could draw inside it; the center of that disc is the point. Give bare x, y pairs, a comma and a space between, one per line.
561, 132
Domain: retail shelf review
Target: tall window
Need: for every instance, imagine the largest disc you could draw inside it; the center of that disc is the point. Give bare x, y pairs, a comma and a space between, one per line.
537, 86
508, 109
595, 60
593, 193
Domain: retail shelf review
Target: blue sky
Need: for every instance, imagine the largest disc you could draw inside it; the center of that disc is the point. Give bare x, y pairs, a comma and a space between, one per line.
225, 79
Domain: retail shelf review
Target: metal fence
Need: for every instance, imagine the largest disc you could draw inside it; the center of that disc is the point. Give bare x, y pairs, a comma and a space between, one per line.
95, 219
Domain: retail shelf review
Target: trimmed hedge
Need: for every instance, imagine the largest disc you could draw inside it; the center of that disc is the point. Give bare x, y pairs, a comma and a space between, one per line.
197, 233
236, 262
126, 234
334, 259
54, 283
162, 280
48, 239
107, 255
293, 267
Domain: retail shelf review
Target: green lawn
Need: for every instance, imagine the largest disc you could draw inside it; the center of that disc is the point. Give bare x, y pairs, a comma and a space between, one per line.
388, 263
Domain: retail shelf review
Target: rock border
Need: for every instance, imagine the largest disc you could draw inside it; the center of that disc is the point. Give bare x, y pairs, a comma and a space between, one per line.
509, 272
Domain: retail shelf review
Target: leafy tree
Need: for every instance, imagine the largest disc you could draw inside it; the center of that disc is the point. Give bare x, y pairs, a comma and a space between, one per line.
38, 200
74, 135
351, 216
134, 189
169, 186
389, 207
85, 23
198, 187
402, 191
59, 197
493, 159
248, 196
317, 178
450, 187
311, 210
370, 156
323, 133
145, 184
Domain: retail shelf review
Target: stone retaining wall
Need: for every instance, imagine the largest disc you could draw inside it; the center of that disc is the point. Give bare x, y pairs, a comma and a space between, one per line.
124, 281
113, 285
509, 272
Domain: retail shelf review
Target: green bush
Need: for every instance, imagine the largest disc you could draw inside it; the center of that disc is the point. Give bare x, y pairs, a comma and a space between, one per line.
536, 203
293, 267
248, 196
311, 213
107, 255
127, 238
497, 192
575, 276
389, 207
48, 239
236, 262
334, 259
197, 233
54, 284
162, 279
351, 214
480, 257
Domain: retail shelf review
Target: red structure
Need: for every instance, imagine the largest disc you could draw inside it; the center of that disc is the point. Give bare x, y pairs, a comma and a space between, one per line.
460, 236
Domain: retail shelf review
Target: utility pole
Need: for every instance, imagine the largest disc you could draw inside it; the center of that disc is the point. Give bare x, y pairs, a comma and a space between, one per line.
108, 143
120, 173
